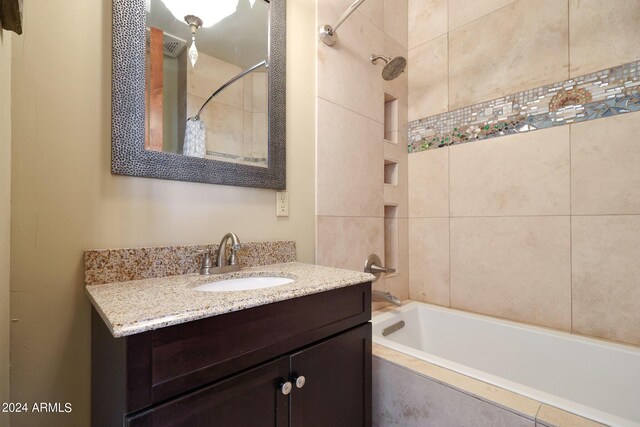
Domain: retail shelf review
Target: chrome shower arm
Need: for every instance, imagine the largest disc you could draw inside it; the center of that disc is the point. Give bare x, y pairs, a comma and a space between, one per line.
347, 13
230, 82
328, 32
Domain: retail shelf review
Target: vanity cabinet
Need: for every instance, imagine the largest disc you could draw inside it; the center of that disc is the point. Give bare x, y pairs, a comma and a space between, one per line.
229, 370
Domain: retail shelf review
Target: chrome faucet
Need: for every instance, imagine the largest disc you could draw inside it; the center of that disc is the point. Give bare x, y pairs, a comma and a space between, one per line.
221, 265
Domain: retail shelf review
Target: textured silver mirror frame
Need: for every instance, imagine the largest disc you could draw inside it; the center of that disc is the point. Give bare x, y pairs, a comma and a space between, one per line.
128, 155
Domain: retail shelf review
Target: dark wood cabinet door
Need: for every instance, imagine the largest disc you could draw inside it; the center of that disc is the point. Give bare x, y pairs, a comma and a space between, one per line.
249, 399
337, 389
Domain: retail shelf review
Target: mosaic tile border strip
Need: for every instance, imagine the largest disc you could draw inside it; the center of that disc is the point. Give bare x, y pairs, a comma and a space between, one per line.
605, 93
120, 265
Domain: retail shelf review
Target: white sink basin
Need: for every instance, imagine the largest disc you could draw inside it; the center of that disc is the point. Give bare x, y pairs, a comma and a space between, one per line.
244, 284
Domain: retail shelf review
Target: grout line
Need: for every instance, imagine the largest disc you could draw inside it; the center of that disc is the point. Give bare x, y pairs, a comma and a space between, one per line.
359, 217
480, 17
448, 64
537, 412
568, 39
447, 31
429, 217
381, 29
429, 41
570, 237
449, 194
348, 109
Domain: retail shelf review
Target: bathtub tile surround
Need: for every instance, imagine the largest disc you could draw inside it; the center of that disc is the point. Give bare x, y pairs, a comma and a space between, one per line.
549, 416
428, 81
120, 265
404, 399
515, 175
427, 20
591, 21
431, 197
347, 158
395, 21
504, 399
435, 383
606, 291
605, 176
355, 138
605, 93
528, 48
429, 260
462, 12
349, 66
342, 240
527, 247
509, 226
513, 267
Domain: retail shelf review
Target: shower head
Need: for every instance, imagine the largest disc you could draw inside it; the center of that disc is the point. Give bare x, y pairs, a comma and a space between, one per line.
393, 68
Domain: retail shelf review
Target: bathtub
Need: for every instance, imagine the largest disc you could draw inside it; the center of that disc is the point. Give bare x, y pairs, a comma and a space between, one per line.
595, 379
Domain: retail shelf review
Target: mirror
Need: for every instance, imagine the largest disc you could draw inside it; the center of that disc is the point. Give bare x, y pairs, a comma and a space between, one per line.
196, 61
200, 98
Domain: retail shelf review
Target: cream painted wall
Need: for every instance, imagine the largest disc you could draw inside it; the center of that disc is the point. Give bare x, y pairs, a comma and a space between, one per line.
5, 213
66, 200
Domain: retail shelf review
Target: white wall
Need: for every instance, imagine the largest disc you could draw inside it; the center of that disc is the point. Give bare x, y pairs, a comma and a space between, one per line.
65, 200
5, 212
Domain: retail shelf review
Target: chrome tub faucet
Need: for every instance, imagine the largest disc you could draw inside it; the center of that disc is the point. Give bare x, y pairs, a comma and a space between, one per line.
382, 296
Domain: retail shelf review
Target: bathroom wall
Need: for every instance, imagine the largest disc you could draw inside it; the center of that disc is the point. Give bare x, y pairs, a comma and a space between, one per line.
5, 213
540, 227
65, 199
350, 142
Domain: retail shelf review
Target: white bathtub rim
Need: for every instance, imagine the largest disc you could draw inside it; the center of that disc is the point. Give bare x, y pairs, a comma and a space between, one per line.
602, 343
529, 392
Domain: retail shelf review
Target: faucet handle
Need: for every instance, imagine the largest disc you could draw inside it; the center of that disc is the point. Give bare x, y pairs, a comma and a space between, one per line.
374, 266
233, 257
207, 261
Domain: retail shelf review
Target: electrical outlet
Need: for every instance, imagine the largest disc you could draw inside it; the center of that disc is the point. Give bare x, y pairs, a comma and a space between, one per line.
282, 203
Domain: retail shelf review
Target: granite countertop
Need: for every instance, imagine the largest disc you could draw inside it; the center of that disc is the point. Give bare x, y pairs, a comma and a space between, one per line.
137, 306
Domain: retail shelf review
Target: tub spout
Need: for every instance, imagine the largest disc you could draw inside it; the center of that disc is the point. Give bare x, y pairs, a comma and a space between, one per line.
385, 297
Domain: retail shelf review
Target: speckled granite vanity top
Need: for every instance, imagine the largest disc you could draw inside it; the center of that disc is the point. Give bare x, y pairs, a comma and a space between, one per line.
137, 306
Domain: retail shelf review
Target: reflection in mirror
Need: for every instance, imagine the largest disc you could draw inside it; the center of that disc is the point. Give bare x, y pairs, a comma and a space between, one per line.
206, 79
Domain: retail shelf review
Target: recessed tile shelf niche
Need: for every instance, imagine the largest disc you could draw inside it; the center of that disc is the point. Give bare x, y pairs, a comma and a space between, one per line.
390, 118
390, 172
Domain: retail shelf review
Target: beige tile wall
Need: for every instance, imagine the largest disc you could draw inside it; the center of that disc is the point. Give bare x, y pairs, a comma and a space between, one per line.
236, 119
462, 52
540, 227
350, 141
592, 45
521, 46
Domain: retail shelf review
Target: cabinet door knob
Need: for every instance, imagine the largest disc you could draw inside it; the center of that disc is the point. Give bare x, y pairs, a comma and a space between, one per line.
300, 381
285, 388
